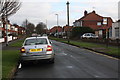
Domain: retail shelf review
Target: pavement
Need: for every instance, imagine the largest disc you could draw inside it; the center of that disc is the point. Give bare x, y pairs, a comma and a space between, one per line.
71, 62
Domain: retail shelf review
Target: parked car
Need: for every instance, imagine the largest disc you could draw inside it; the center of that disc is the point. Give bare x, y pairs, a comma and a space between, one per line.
89, 35
37, 48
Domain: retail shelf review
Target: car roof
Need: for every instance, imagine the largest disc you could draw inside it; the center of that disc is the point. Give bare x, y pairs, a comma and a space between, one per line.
88, 33
37, 37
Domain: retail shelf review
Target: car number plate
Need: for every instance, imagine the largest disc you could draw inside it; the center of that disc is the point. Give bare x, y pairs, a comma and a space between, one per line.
35, 50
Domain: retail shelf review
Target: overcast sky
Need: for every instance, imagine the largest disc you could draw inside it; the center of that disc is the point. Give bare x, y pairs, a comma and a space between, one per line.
44, 10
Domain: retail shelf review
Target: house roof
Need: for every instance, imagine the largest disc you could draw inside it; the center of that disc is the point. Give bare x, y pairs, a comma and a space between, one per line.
56, 28
93, 16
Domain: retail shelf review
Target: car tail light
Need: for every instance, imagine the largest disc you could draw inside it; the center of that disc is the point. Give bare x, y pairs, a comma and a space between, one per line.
22, 50
49, 48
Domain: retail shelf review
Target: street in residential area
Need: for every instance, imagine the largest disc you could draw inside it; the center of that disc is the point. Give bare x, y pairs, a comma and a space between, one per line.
59, 39
71, 62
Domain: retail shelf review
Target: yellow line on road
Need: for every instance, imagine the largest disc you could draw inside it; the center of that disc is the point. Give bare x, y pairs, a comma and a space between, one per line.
104, 55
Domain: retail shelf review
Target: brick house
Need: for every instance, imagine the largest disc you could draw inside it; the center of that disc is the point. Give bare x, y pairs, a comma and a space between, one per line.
55, 29
98, 23
67, 29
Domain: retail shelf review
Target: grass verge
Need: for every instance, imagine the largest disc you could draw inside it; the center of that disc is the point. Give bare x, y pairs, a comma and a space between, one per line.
17, 44
0, 63
10, 57
9, 61
113, 51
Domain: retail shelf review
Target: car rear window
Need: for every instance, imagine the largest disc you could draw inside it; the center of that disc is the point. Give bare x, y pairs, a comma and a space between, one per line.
36, 41
87, 34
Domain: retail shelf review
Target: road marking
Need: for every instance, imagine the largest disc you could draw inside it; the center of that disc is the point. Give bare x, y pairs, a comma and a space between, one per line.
19, 65
96, 76
71, 56
64, 53
104, 55
69, 66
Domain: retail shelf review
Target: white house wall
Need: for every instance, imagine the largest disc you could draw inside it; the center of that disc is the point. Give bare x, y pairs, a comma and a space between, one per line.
115, 25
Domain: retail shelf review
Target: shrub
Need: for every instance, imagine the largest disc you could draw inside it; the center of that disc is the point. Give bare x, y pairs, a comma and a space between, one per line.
78, 31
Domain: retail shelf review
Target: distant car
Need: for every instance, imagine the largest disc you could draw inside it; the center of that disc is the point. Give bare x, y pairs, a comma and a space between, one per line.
37, 48
34, 34
56, 34
64, 37
44, 35
89, 35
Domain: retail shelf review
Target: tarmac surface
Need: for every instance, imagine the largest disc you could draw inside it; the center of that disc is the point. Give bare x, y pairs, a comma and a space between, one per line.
71, 62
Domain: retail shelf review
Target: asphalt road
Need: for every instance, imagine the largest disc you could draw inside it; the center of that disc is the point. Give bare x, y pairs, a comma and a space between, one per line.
71, 62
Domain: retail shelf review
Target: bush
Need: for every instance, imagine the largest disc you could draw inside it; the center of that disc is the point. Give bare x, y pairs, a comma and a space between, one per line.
78, 31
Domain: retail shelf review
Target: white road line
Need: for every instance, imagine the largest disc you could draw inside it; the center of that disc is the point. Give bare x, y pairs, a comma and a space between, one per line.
64, 53
71, 56
69, 66
20, 65
97, 76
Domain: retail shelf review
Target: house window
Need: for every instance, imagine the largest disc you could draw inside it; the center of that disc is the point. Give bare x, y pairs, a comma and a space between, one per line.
104, 20
80, 23
116, 32
99, 23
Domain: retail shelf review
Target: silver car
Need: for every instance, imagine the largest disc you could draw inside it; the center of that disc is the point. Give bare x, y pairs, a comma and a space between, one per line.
37, 48
89, 35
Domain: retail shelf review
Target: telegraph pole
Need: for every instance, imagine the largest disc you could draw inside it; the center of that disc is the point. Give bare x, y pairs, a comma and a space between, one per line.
68, 32
6, 26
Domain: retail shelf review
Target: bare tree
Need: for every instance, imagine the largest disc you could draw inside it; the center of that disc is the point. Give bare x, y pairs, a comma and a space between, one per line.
9, 7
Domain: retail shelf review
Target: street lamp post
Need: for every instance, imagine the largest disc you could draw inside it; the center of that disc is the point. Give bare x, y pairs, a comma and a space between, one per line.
57, 26
68, 32
57, 19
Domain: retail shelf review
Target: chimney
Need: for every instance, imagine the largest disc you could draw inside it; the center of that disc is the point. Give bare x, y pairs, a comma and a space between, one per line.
93, 11
85, 13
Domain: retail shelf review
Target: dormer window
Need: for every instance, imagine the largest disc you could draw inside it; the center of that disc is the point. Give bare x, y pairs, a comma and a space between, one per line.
104, 20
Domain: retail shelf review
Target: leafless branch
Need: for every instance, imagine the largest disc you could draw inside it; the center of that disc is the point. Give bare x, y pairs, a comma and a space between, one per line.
9, 7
